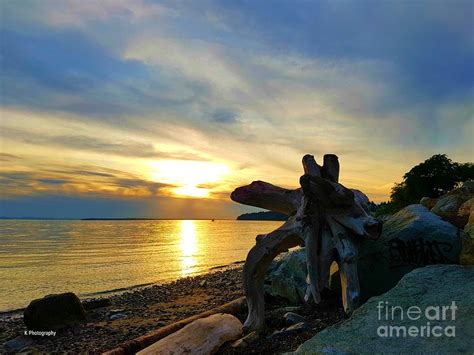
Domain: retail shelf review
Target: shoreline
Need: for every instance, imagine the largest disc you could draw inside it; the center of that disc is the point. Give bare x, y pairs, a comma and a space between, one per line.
117, 291
138, 311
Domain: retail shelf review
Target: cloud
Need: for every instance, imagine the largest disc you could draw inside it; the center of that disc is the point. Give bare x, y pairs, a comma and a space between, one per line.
8, 157
225, 116
71, 180
118, 84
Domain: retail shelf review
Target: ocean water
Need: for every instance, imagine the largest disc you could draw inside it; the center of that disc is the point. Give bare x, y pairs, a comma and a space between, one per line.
89, 257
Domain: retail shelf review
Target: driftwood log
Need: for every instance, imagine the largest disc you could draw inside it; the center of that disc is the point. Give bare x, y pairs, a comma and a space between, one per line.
324, 216
203, 336
131, 347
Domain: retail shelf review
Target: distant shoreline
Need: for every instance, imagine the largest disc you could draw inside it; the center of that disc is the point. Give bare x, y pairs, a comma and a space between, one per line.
131, 219
114, 219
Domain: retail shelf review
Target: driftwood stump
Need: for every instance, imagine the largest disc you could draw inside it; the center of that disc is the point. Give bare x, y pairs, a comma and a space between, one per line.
325, 217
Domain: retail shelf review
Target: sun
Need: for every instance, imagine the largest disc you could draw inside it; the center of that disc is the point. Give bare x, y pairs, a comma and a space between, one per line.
188, 175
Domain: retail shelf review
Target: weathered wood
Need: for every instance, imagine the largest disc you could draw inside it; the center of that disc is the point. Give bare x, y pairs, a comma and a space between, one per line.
341, 203
313, 224
132, 346
265, 195
332, 197
312, 239
325, 258
346, 260
310, 166
326, 216
258, 259
330, 169
202, 337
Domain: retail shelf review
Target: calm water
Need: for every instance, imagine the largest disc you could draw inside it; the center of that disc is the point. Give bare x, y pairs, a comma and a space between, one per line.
43, 257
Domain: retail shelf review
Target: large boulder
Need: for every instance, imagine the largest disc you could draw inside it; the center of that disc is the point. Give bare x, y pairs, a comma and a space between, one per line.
53, 311
423, 293
286, 276
448, 205
413, 237
428, 202
467, 252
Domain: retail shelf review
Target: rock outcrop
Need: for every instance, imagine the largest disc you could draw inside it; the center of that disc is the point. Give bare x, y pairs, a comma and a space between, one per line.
451, 206
54, 311
414, 237
369, 330
467, 252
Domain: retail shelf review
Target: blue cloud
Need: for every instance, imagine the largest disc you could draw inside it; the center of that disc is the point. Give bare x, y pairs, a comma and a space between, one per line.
52, 181
67, 71
224, 115
429, 42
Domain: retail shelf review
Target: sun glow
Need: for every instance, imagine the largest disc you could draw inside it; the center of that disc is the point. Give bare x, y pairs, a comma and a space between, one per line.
189, 246
188, 175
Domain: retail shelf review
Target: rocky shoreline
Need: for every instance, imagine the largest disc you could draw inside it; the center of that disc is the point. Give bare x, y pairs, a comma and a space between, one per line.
119, 318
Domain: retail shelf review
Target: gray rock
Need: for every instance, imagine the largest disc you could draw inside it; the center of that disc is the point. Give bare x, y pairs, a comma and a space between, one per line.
117, 316
54, 311
467, 252
413, 237
368, 331
286, 276
293, 318
428, 202
299, 327
448, 205
287, 309
291, 330
117, 310
18, 344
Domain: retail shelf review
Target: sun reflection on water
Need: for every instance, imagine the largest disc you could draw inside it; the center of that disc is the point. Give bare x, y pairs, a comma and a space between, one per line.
189, 246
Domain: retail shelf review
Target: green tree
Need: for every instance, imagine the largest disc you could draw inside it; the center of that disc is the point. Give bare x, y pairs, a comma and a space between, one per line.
432, 178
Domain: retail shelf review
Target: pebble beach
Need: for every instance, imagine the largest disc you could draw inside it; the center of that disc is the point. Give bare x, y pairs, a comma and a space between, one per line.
118, 318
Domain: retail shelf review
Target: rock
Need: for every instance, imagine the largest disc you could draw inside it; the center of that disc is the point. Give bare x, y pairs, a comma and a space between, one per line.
413, 237
117, 316
286, 276
203, 336
293, 318
292, 330
287, 309
96, 303
246, 340
203, 283
466, 209
432, 286
18, 344
467, 252
448, 205
54, 311
428, 202
468, 184
117, 310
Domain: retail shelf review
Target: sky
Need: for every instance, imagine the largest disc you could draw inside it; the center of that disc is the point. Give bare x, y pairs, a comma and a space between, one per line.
159, 109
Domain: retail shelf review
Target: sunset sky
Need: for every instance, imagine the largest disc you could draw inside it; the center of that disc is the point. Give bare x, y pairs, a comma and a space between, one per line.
160, 109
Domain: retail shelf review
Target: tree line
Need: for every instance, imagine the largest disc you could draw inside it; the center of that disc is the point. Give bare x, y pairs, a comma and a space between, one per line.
432, 178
